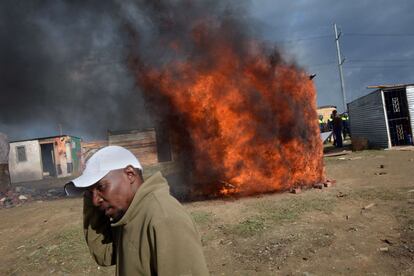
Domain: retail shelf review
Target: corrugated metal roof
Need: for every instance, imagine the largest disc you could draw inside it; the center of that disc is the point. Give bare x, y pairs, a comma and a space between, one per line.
385, 86
327, 106
43, 138
367, 95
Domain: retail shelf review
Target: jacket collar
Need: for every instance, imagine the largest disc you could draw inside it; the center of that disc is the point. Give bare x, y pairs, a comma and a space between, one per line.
153, 183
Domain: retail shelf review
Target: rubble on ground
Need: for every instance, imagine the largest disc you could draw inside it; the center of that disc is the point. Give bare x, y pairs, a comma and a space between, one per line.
20, 195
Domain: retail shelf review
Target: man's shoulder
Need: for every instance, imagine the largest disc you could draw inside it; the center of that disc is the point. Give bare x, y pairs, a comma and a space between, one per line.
161, 204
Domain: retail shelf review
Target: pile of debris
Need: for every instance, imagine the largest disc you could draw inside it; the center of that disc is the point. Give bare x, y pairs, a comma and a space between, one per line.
327, 183
11, 199
20, 195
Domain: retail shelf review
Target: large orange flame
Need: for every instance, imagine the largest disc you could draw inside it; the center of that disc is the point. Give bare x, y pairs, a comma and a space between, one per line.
250, 116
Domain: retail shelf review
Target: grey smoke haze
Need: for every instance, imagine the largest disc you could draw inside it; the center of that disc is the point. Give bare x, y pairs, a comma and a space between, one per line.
63, 61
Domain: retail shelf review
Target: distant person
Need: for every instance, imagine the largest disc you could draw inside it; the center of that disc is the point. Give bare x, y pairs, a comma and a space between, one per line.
337, 129
330, 122
345, 124
322, 124
137, 226
329, 127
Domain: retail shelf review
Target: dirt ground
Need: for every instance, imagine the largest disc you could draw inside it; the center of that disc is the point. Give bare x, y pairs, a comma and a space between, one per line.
316, 232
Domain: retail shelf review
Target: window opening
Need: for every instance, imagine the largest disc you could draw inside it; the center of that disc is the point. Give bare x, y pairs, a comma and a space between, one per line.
21, 153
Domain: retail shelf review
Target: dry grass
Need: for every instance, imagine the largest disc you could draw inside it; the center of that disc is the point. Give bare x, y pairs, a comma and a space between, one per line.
281, 234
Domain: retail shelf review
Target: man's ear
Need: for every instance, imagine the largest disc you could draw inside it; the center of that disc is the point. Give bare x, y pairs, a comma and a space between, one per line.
130, 173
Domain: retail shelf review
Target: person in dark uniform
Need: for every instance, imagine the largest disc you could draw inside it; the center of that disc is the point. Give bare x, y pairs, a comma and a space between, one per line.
337, 129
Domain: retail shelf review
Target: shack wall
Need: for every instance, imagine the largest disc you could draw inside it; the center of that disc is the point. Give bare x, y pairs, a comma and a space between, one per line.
29, 170
76, 155
4, 149
368, 120
4, 163
142, 144
88, 149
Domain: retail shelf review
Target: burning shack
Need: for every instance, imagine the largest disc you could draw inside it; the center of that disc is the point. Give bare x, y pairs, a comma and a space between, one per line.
142, 143
57, 156
151, 146
385, 117
241, 116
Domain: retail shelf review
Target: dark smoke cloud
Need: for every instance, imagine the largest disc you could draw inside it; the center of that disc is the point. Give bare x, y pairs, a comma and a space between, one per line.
156, 24
63, 62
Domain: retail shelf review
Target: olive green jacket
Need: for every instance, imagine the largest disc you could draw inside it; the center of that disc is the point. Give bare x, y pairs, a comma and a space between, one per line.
156, 236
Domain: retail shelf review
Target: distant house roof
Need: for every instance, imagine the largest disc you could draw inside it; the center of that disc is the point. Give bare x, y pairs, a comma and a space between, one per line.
327, 106
44, 138
385, 86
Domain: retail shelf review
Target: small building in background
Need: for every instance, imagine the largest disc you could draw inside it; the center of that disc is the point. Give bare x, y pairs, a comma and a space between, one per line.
89, 148
385, 117
146, 144
4, 163
34, 159
325, 111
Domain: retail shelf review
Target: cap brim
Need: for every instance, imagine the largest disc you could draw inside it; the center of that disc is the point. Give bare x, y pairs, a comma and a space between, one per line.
79, 185
72, 190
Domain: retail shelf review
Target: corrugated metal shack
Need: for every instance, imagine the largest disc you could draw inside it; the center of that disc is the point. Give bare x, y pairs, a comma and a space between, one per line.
385, 117
57, 156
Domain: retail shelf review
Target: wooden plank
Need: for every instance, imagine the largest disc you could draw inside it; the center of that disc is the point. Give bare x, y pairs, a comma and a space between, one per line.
165, 168
142, 136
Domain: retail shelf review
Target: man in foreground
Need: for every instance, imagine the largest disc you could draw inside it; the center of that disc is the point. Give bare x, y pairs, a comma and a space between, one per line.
134, 224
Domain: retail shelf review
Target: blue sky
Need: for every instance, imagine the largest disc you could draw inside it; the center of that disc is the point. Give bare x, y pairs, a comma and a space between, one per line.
376, 41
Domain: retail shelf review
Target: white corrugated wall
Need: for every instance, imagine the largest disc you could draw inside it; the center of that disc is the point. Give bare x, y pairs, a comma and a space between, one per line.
410, 100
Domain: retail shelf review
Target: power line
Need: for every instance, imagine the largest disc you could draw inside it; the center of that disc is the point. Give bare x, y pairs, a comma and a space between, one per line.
304, 39
322, 64
379, 60
379, 34
380, 66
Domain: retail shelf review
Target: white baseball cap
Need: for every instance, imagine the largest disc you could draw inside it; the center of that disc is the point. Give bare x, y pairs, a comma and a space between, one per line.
100, 164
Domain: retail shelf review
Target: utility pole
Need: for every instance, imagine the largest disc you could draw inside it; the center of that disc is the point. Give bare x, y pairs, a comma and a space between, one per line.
340, 63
